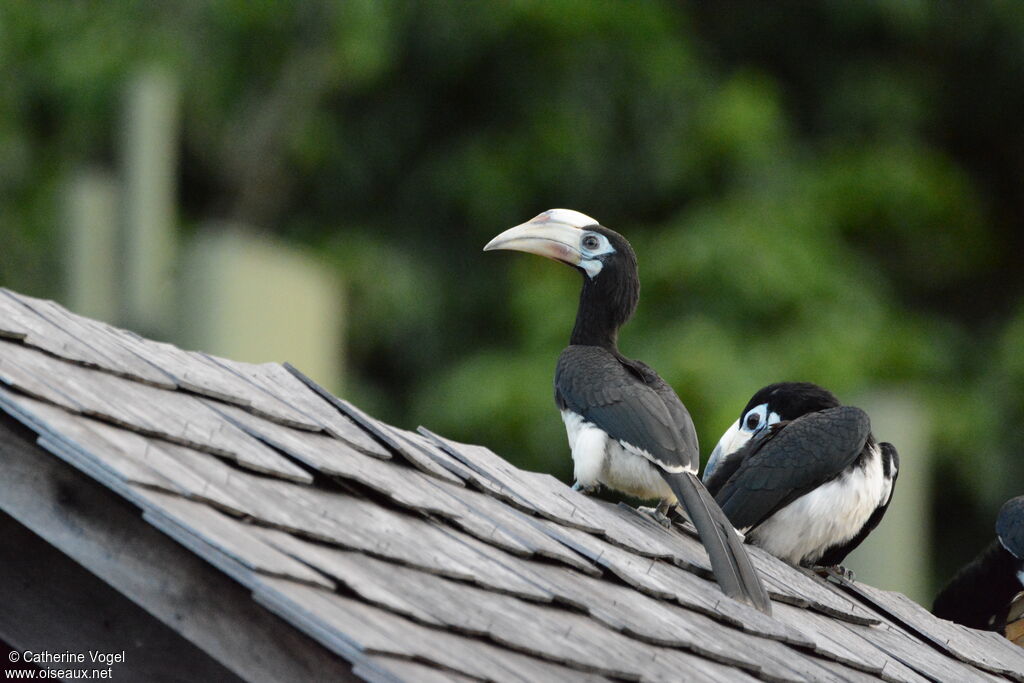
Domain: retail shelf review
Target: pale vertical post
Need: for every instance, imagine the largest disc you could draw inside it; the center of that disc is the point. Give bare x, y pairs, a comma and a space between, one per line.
251, 298
896, 554
150, 163
92, 277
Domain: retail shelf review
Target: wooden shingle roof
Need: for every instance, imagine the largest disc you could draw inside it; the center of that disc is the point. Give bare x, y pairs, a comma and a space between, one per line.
413, 557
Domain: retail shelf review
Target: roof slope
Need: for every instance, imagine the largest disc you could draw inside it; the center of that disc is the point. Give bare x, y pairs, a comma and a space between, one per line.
418, 558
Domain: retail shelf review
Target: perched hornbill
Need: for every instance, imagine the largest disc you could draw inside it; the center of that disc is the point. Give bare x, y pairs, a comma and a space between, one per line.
801, 475
627, 428
979, 595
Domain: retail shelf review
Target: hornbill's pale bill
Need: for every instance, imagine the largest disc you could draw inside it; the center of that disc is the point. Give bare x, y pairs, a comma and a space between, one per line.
980, 594
801, 475
627, 428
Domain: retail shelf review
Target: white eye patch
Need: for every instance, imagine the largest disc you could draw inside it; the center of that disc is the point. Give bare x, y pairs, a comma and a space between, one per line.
758, 418
593, 245
754, 419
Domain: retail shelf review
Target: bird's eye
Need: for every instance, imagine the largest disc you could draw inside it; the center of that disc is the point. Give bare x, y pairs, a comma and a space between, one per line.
591, 242
755, 418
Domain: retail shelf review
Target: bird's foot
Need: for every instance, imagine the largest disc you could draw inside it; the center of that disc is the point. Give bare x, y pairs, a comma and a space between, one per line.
657, 514
835, 570
586, 490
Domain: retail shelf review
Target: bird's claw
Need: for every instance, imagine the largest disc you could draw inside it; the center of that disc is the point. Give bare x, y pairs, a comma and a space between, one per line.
657, 515
585, 490
835, 571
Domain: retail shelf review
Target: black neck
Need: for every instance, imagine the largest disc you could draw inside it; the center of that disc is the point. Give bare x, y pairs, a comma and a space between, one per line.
606, 303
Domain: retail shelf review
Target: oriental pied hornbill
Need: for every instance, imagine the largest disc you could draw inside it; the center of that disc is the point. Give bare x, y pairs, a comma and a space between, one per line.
980, 594
627, 428
801, 475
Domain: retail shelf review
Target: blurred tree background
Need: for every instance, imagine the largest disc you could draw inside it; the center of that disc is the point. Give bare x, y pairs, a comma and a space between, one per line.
827, 191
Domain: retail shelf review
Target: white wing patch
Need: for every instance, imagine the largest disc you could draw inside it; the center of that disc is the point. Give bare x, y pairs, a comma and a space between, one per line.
675, 469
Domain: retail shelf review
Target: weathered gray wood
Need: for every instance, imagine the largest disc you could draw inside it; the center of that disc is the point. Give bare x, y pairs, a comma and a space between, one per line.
550, 498
984, 649
50, 603
275, 379
228, 545
171, 415
830, 639
553, 634
660, 579
419, 457
233, 538
334, 457
359, 524
475, 567
660, 622
109, 355
620, 606
406, 444
197, 373
803, 588
38, 331
125, 354
916, 655
493, 522
11, 324
841, 672
413, 672
175, 469
540, 494
436, 601
217, 538
124, 453
417, 445
342, 622
106, 536
672, 666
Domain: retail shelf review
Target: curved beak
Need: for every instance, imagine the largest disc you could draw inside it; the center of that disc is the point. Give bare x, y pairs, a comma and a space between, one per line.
543, 236
731, 441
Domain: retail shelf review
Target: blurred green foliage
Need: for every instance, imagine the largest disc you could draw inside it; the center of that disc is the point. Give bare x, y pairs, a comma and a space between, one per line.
827, 191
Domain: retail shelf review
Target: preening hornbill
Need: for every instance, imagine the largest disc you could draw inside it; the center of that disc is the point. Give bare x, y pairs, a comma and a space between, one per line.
627, 428
801, 475
979, 595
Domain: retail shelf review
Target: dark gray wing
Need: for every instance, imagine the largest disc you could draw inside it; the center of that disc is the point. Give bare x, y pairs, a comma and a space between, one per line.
811, 450
728, 465
598, 385
1010, 526
678, 412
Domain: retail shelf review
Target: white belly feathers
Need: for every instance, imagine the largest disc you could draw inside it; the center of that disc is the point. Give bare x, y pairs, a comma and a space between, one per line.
830, 514
599, 459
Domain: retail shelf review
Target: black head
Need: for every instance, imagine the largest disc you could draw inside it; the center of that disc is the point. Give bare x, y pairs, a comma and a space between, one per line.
607, 262
1010, 526
783, 401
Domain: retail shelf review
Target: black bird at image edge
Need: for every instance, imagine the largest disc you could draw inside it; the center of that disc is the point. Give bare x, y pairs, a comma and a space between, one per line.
980, 594
627, 428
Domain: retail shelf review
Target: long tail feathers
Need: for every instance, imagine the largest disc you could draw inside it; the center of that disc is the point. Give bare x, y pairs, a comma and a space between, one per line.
730, 562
